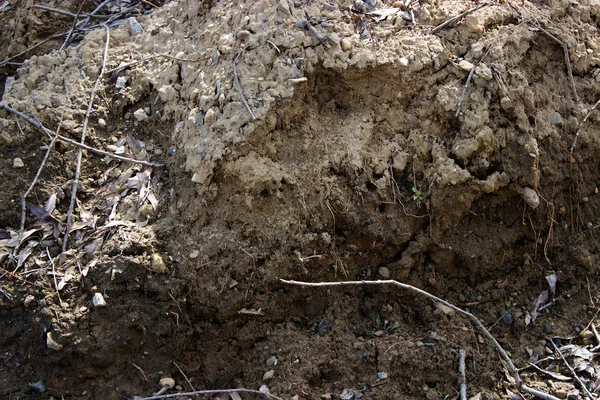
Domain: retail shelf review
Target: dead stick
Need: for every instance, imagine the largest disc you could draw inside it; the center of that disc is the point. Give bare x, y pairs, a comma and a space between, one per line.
54, 276
464, 92
459, 16
208, 392
120, 67
83, 132
567, 61
509, 364
87, 19
49, 133
72, 30
239, 88
185, 376
581, 126
63, 12
55, 36
583, 387
463, 375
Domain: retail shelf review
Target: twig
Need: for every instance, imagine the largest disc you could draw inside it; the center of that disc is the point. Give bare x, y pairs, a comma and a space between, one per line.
98, 8
121, 67
142, 371
27, 50
70, 34
464, 92
239, 89
581, 126
463, 375
49, 133
208, 392
595, 333
70, 14
583, 387
54, 276
185, 376
83, 132
35, 178
274, 46
567, 61
509, 364
459, 16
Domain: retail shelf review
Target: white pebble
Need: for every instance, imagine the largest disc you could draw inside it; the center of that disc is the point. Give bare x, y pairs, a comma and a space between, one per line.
98, 300
140, 115
18, 163
269, 375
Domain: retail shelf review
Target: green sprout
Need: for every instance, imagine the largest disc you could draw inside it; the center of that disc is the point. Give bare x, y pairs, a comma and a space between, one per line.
417, 194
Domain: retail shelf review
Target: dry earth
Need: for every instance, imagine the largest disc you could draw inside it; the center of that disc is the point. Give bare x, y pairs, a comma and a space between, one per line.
348, 163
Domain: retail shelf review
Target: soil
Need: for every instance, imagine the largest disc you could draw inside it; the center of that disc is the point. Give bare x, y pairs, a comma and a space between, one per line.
348, 162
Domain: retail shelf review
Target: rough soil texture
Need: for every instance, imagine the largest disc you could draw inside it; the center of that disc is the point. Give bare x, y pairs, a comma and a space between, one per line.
360, 171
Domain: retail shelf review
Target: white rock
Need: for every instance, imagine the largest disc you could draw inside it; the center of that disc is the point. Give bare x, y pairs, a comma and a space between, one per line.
158, 264
403, 61
465, 65
269, 375
384, 272
121, 82
51, 343
134, 26
18, 163
445, 309
101, 122
194, 254
272, 361
170, 382
28, 300
264, 389
531, 197
140, 115
98, 300
167, 93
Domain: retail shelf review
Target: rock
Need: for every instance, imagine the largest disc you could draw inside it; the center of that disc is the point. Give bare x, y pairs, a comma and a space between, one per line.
37, 387
269, 375
121, 82
475, 23
140, 115
210, 116
101, 122
194, 254
51, 343
28, 300
531, 197
507, 318
506, 103
233, 283
264, 389
134, 26
555, 118
18, 163
169, 382
243, 35
345, 44
403, 61
445, 309
158, 265
271, 360
98, 300
465, 65
384, 272
167, 93
382, 375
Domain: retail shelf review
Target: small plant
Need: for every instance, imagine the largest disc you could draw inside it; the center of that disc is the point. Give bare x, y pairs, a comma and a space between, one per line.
417, 194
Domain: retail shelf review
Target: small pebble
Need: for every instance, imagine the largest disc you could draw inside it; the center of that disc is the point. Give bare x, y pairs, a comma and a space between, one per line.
271, 360
531, 197
297, 4
243, 35
506, 317
382, 375
28, 300
465, 65
370, 3
194, 254
403, 61
328, 7
101, 122
233, 283
555, 118
51, 343
134, 26
158, 264
121, 82
384, 272
140, 115
37, 387
269, 375
302, 23
98, 300
170, 382
345, 44
264, 389
18, 163
323, 327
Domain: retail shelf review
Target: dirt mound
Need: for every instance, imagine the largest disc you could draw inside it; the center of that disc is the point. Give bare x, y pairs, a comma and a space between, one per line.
310, 141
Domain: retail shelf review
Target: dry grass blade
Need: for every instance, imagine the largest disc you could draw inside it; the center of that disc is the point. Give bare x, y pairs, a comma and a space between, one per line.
208, 392
83, 132
504, 356
72, 30
459, 16
581, 126
567, 61
236, 82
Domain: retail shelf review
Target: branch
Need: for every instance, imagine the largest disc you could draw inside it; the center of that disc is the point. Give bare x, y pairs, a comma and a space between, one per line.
459, 16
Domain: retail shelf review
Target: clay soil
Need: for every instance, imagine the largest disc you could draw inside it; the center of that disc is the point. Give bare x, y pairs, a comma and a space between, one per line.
349, 161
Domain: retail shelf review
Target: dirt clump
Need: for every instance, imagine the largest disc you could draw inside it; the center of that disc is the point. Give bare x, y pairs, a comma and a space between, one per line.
309, 141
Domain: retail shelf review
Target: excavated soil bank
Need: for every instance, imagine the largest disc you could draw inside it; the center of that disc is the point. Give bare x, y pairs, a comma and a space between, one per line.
355, 168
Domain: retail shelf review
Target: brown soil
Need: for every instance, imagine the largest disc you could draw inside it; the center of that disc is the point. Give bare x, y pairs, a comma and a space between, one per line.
362, 171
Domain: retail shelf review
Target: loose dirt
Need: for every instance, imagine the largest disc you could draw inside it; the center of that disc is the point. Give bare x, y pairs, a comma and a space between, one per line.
355, 167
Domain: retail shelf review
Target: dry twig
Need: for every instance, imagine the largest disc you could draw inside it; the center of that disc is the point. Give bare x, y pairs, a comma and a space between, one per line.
236, 82
567, 60
581, 126
73, 27
463, 375
27, 50
70, 14
459, 16
49, 133
83, 132
208, 392
464, 92
583, 387
507, 361
185, 377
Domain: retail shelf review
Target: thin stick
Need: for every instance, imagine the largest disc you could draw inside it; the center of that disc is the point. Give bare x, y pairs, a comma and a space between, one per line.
459, 16
208, 392
54, 276
121, 67
49, 133
70, 34
464, 92
142, 371
64, 12
567, 61
463, 375
83, 132
581, 126
239, 89
98, 8
595, 333
583, 387
509, 364
185, 376
27, 50
35, 178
